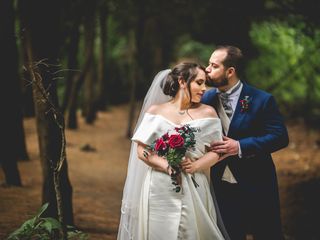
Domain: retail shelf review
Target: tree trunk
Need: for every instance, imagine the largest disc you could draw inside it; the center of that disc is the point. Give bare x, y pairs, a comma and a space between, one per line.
27, 95
42, 46
89, 108
136, 61
133, 78
11, 120
72, 64
102, 81
21, 141
72, 122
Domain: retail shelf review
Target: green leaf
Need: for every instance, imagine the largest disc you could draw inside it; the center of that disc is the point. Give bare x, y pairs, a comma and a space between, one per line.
42, 209
37, 228
76, 234
47, 226
55, 224
24, 229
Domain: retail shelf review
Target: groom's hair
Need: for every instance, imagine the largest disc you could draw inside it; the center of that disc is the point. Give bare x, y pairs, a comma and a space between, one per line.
233, 59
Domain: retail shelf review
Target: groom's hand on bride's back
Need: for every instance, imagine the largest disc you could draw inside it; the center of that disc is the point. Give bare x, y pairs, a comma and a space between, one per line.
225, 148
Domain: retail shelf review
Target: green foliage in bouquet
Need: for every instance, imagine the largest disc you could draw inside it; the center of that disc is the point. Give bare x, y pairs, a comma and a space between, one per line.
173, 145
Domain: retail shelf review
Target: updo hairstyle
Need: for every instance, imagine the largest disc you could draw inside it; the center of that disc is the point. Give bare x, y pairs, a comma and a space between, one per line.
187, 71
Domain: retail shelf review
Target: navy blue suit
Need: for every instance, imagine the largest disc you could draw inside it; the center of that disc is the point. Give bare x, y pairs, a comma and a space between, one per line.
252, 205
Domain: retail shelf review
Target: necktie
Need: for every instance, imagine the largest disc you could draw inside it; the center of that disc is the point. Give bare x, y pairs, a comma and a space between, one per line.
226, 101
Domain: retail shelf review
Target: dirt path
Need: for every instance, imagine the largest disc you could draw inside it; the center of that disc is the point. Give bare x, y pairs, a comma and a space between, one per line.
97, 178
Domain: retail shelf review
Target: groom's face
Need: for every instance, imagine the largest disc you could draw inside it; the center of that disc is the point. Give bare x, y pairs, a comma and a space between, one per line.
216, 71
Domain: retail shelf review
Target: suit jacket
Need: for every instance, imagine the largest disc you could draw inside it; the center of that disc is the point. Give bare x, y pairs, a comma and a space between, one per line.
260, 131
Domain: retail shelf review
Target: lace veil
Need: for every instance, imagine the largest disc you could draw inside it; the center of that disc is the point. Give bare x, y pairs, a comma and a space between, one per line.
136, 168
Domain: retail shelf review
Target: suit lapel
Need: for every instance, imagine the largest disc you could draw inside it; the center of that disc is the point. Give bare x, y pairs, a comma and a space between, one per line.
239, 116
215, 100
225, 121
217, 105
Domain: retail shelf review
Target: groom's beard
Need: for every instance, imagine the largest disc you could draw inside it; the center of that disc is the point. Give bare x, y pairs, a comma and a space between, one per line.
222, 83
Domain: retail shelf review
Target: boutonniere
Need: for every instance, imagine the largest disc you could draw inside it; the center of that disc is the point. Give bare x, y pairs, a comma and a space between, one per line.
245, 104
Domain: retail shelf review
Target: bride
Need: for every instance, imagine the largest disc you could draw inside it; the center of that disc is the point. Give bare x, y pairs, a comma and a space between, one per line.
151, 209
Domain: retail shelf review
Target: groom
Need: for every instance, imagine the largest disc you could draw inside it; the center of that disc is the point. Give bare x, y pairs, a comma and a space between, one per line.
245, 182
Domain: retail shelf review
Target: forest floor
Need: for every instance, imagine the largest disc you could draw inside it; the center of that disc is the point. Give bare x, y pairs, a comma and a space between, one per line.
97, 177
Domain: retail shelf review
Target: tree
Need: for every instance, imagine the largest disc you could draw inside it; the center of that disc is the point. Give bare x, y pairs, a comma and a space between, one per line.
89, 107
11, 120
101, 100
73, 18
42, 46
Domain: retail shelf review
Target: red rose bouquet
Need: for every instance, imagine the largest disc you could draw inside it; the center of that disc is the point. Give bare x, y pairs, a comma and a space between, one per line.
173, 145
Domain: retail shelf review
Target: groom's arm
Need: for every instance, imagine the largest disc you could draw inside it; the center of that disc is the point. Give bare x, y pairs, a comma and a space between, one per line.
275, 135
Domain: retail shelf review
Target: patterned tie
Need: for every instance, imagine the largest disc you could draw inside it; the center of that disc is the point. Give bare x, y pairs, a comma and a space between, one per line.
226, 101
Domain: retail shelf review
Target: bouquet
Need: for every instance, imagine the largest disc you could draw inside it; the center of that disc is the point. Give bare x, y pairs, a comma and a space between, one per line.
173, 146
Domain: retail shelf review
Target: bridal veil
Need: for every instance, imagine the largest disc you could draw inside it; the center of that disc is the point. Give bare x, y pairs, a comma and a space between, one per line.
137, 169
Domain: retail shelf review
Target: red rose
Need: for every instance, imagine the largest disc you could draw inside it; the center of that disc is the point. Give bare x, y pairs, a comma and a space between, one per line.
179, 128
176, 141
165, 137
160, 145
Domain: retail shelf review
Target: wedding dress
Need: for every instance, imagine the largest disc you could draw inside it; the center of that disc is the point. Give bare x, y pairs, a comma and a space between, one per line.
165, 214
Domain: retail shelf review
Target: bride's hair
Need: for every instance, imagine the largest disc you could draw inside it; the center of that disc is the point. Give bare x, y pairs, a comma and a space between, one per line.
187, 71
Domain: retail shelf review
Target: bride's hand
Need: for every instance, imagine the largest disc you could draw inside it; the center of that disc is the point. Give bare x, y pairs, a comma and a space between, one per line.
188, 166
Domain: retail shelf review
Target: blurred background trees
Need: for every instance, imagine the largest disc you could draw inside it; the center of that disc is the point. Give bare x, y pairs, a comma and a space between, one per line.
105, 52
108, 51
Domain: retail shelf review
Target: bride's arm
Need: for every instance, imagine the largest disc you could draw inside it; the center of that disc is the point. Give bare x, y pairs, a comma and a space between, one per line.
203, 163
153, 160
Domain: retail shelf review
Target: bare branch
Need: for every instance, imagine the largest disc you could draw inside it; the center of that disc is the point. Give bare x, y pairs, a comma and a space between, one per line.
36, 80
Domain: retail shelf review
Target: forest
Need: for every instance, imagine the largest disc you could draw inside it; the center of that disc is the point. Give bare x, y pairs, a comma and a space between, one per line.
74, 74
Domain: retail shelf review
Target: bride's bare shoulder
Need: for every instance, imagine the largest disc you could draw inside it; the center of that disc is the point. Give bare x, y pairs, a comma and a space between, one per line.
156, 108
207, 111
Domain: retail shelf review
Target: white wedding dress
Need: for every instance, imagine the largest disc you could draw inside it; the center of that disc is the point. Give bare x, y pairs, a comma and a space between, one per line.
189, 214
